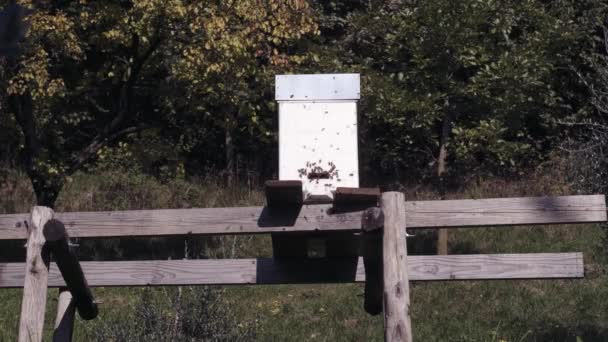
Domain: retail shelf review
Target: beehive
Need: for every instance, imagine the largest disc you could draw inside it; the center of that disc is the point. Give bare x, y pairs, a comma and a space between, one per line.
318, 132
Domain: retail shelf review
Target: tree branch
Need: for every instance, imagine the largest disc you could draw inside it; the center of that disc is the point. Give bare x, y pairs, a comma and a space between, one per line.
98, 142
22, 107
123, 110
96, 105
584, 124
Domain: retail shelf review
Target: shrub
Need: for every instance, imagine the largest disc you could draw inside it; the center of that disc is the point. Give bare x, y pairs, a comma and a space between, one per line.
174, 314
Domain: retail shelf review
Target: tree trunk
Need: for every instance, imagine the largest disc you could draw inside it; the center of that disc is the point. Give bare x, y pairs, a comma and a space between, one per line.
442, 238
46, 187
230, 155
46, 194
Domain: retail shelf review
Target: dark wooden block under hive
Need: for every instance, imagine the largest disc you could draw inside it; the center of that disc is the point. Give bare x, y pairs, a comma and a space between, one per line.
283, 193
355, 198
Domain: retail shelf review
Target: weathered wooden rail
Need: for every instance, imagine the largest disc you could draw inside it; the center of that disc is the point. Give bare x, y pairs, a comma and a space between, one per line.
331, 270
262, 220
45, 239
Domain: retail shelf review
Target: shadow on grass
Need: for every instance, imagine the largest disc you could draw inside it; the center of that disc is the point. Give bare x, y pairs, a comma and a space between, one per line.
464, 247
584, 333
424, 242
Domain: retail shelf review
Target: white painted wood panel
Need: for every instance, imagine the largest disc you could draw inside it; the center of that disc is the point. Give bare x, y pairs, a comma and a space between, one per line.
319, 134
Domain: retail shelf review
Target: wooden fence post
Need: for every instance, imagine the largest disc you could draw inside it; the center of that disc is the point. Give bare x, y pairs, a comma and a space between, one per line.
371, 249
442, 241
64, 321
397, 322
33, 305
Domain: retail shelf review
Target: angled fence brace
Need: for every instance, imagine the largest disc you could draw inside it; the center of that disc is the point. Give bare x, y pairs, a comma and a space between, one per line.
64, 321
71, 271
371, 226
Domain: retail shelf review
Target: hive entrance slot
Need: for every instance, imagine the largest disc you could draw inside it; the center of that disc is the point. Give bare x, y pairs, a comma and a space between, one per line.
319, 175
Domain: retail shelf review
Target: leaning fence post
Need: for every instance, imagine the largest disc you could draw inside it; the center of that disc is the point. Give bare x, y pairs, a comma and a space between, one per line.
64, 321
371, 237
33, 305
67, 262
397, 323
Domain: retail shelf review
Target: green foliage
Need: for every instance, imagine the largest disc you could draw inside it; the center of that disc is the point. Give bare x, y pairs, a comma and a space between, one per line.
484, 146
586, 144
94, 72
188, 85
496, 63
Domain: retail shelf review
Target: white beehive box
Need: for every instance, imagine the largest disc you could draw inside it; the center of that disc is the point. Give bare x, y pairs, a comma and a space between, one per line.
318, 132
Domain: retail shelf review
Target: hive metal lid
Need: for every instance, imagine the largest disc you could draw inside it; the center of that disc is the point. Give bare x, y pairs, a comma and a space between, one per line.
317, 87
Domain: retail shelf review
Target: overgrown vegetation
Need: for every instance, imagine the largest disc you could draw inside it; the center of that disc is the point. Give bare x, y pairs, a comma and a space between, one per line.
174, 314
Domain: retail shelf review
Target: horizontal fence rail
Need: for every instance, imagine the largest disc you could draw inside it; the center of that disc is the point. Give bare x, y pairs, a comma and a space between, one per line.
252, 220
274, 271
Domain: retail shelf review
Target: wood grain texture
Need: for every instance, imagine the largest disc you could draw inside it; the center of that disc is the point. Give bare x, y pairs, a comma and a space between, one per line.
35, 272
442, 241
506, 211
334, 270
251, 220
396, 285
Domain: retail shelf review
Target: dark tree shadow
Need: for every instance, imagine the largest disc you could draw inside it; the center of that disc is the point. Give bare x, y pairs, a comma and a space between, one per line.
424, 242
12, 251
553, 332
464, 247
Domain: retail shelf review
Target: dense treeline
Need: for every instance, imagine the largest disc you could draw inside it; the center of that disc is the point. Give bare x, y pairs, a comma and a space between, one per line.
450, 90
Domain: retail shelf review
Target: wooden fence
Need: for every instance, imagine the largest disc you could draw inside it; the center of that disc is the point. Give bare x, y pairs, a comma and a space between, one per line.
260, 220
38, 272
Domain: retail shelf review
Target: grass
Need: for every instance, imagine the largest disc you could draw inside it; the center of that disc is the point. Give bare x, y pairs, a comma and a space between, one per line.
538, 310
541, 310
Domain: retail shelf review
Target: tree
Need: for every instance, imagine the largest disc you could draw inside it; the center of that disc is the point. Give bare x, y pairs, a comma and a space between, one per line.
228, 76
12, 28
461, 85
588, 131
452, 90
92, 73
